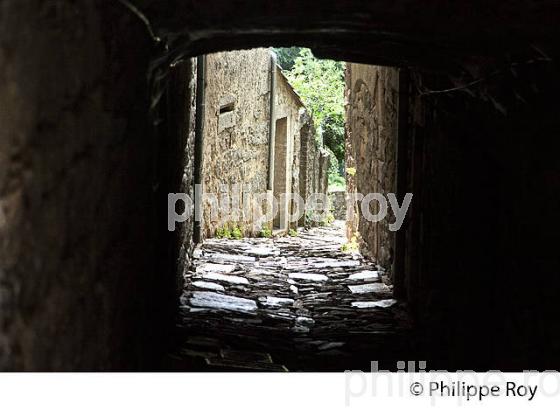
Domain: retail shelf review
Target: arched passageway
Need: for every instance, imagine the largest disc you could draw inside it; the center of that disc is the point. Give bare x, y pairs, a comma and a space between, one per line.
90, 149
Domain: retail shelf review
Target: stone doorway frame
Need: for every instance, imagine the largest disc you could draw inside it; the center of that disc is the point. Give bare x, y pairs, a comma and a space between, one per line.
282, 175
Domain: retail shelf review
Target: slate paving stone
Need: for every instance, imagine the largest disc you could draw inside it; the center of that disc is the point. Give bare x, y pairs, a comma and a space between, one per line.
215, 267
380, 303
366, 274
299, 301
219, 301
224, 278
271, 301
369, 288
315, 277
208, 285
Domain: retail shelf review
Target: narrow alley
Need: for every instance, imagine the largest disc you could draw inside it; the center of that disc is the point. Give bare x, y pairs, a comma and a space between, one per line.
287, 303
126, 123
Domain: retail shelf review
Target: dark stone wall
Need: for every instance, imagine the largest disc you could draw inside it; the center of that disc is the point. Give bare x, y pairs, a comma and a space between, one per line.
178, 157
481, 256
481, 268
436, 35
80, 173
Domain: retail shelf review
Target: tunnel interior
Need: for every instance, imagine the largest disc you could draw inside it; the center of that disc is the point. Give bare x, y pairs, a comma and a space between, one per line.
91, 146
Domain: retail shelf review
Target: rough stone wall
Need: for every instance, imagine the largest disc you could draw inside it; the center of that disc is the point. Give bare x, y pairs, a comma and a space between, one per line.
337, 204
289, 106
181, 117
79, 284
308, 152
371, 131
314, 162
475, 160
473, 164
236, 142
321, 173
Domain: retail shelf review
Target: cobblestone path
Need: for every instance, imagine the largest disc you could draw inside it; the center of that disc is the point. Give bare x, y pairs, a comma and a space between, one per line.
287, 303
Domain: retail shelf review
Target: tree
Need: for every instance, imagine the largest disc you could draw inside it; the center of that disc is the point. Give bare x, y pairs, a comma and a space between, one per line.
287, 57
320, 83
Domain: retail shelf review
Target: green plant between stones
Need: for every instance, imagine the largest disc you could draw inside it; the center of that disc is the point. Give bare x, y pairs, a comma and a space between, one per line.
352, 246
224, 232
265, 232
236, 232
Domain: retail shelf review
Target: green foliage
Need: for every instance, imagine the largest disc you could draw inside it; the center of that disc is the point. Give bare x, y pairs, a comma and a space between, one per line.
224, 232
320, 83
229, 232
333, 135
336, 182
293, 232
352, 246
308, 219
265, 232
329, 219
236, 233
287, 56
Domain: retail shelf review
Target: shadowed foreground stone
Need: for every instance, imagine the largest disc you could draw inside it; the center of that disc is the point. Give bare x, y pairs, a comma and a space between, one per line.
302, 300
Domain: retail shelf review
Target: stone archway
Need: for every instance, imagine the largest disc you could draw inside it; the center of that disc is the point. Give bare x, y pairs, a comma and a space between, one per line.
85, 281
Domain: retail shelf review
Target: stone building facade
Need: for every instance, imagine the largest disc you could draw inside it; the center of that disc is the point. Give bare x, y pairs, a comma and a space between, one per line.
237, 159
337, 204
371, 134
314, 161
